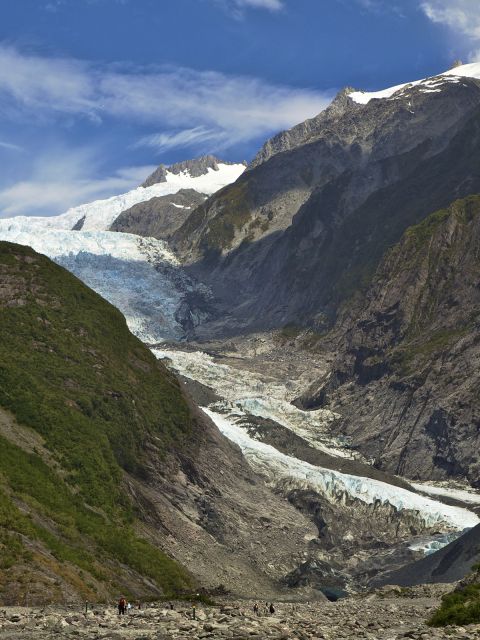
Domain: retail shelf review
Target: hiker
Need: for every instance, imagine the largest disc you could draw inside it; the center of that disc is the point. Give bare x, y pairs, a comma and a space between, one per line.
255, 609
271, 608
122, 605
129, 606
171, 606
194, 612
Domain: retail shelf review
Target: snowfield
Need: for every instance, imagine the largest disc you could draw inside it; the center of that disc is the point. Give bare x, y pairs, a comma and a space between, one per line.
470, 496
140, 276
427, 85
100, 215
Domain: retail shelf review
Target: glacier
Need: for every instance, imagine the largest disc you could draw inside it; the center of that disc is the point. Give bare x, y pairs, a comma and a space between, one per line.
140, 276
245, 392
280, 469
144, 280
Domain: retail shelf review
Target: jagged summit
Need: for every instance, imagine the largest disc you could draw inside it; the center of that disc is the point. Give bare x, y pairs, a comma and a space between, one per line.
193, 168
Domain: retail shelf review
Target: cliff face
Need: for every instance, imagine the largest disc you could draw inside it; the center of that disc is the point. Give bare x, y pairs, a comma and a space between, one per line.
308, 223
406, 376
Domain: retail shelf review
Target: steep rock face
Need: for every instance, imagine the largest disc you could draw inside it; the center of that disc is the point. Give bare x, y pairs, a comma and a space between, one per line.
406, 376
304, 132
305, 227
159, 217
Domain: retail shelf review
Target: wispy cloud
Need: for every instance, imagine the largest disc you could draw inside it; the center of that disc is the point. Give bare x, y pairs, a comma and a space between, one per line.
209, 106
378, 6
9, 146
38, 85
181, 108
187, 138
271, 5
461, 16
62, 179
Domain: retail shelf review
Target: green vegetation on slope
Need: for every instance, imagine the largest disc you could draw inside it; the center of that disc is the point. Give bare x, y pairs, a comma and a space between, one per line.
437, 247
71, 371
461, 606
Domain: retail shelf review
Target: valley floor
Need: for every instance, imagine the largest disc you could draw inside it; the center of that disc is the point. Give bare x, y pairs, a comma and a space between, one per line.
389, 614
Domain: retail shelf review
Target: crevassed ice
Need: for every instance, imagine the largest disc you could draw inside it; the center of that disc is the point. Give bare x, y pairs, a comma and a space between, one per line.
249, 392
122, 246
100, 214
140, 276
278, 468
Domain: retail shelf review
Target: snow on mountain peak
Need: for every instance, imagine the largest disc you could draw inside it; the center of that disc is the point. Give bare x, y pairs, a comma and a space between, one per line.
100, 215
433, 84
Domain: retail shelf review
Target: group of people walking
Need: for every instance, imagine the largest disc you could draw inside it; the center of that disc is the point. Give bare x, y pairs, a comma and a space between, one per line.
124, 606
268, 609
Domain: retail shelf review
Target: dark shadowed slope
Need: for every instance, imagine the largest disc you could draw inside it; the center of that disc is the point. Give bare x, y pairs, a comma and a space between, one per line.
451, 563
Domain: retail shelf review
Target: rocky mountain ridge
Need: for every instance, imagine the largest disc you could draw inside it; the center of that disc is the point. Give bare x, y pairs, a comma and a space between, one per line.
160, 216
406, 373
300, 232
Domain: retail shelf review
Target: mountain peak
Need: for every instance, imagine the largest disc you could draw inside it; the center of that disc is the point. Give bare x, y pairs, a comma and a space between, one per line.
195, 168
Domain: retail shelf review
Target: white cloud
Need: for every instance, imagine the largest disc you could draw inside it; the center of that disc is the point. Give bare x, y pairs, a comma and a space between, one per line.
62, 179
33, 83
271, 5
183, 108
460, 15
237, 8
213, 105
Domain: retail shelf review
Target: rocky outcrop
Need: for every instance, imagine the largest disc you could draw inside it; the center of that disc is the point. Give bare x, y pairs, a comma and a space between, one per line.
306, 131
159, 217
303, 229
405, 378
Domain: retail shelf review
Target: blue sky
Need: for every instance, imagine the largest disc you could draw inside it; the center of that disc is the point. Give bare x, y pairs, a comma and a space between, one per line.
93, 93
